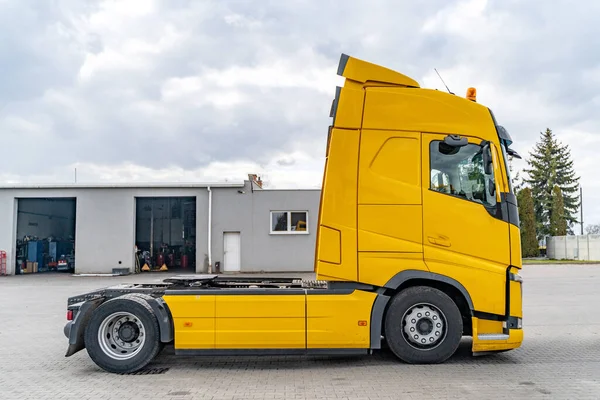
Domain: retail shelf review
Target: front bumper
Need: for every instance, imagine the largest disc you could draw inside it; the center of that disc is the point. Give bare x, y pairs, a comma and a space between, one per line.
510, 339
493, 335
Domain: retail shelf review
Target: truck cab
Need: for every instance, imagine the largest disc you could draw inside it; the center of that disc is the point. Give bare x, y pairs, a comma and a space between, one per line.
417, 192
418, 245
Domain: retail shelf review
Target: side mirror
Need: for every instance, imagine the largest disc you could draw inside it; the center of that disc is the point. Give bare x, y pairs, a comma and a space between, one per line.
487, 159
492, 187
513, 153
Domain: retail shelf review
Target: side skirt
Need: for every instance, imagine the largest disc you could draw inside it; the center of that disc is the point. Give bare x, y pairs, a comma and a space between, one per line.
270, 352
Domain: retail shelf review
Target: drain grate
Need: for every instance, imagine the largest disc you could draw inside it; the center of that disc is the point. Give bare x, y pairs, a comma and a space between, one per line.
149, 371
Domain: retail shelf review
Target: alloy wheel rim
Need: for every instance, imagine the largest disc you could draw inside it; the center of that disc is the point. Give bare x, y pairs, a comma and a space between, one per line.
424, 326
121, 335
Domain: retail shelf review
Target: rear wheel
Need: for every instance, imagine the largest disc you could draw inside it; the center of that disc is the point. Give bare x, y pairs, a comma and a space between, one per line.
423, 325
149, 298
123, 335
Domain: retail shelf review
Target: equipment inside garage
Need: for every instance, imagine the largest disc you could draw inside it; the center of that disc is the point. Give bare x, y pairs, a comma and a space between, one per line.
45, 235
165, 233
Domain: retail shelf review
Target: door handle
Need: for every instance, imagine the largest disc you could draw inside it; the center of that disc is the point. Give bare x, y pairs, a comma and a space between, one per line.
440, 241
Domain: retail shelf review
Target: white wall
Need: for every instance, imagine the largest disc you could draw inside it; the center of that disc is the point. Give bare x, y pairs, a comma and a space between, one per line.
581, 247
105, 224
249, 214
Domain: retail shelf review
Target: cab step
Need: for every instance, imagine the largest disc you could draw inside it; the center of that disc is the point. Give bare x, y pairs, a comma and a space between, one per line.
493, 336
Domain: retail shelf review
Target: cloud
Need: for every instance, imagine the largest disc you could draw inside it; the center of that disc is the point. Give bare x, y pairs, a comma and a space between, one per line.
178, 89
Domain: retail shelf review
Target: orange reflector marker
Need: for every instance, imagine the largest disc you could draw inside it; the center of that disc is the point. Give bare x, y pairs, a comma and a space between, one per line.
187, 324
472, 94
362, 323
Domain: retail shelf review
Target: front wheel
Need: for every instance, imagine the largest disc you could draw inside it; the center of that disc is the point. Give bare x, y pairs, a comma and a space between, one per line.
123, 335
423, 325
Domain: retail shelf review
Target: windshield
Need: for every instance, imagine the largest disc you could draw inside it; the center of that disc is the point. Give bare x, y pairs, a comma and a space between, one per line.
505, 142
507, 167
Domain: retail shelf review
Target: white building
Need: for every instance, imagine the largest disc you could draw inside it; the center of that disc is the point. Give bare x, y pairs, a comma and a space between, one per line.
187, 227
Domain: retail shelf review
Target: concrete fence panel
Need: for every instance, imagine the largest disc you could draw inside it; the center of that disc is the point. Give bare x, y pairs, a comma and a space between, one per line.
575, 247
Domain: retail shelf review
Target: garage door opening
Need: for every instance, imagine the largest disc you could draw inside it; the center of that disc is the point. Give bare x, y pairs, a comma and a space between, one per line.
45, 235
165, 233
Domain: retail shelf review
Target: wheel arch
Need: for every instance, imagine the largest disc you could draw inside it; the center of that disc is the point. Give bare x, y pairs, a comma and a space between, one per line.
405, 279
163, 315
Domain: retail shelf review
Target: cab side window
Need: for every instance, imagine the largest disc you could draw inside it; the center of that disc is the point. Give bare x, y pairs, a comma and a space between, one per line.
459, 171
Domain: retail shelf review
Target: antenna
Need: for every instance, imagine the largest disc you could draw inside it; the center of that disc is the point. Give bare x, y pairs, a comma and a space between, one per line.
436, 71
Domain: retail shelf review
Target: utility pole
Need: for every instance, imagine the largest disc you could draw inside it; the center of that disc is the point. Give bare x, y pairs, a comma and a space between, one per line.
581, 206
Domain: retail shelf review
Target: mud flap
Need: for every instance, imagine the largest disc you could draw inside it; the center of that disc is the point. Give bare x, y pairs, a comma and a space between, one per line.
76, 328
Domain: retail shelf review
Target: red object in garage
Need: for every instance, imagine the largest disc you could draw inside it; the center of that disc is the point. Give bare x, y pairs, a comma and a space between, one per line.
3, 263
184, 261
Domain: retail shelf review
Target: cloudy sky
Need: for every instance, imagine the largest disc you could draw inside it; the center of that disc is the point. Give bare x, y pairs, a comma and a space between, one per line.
182, 90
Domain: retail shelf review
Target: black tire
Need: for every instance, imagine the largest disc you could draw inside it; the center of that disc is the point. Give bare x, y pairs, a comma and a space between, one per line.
443, 345
149, 298
148, 349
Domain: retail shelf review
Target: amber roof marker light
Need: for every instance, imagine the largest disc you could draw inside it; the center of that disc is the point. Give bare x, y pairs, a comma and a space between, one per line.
472, 94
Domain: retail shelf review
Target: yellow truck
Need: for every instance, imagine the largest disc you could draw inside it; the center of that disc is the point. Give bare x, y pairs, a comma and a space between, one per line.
417, 246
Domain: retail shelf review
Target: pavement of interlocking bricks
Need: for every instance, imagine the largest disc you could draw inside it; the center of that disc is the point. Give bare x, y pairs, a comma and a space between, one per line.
559, 359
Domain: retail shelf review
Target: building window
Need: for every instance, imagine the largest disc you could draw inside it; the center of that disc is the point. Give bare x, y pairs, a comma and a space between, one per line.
289, 222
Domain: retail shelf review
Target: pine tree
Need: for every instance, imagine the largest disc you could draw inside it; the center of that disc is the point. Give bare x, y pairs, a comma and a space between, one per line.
550, 164
558, 222
529, 242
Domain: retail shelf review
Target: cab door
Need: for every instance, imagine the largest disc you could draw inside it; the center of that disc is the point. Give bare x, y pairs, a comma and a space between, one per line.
463, 237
